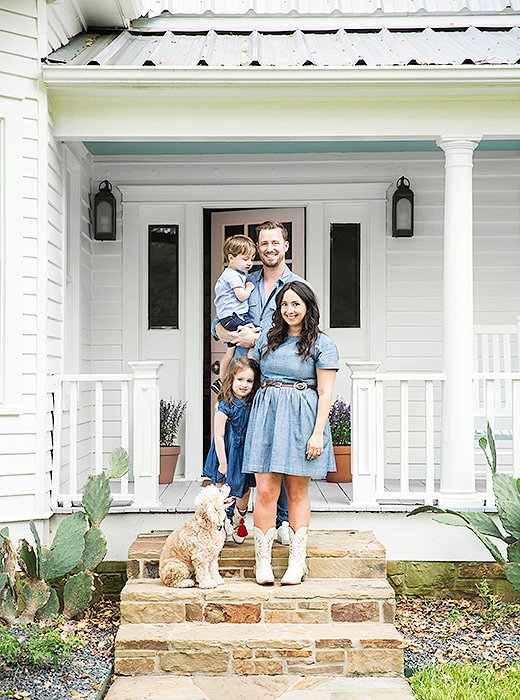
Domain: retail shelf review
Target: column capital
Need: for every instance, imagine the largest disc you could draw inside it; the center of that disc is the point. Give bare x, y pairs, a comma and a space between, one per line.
448, 143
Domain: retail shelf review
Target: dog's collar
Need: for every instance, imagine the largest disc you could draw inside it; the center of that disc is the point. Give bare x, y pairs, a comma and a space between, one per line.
219, 527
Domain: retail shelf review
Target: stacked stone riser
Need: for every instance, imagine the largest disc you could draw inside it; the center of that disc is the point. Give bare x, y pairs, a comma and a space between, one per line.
361, 557
314, 602
339, 621
259, 649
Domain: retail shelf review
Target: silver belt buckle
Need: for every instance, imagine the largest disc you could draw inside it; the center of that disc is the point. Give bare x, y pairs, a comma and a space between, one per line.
301, 386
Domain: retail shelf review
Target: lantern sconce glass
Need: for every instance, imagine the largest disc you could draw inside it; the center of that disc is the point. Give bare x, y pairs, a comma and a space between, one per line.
402, 210
105, 213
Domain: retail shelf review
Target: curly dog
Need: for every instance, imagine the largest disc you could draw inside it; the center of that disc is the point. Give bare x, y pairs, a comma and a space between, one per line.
194, 547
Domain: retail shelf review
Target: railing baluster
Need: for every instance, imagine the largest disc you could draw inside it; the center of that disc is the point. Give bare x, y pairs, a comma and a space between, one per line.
489, 412
98, 428
56, 443
380, 438
73, 447
405, 437
429, 438
124, 430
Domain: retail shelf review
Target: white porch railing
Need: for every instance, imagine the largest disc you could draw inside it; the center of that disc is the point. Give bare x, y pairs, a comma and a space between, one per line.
93, 414
396, 433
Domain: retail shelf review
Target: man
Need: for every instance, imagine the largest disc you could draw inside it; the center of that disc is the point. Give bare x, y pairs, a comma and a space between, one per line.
272, 244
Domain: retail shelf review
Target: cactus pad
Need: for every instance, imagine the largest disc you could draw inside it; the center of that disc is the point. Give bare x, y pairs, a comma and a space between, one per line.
67, 547
34, 595
37, 549
118, 463
50, 609
27, 559
95, 549
77, 594
507, 501
96, 498
7, 600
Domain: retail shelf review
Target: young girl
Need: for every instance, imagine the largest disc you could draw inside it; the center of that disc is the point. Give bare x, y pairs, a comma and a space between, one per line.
232, 292
224, 461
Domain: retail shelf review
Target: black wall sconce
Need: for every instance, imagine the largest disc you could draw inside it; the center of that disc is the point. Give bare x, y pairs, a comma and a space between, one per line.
402, 210
105, 213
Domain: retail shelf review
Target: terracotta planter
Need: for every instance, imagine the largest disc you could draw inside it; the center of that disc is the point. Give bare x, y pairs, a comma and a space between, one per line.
169, 457
343, 473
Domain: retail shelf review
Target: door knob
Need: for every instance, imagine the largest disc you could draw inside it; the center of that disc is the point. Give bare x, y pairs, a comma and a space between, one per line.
215, 367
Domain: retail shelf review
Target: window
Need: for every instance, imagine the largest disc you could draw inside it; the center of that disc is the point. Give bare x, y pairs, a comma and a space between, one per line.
345, 278
163, 276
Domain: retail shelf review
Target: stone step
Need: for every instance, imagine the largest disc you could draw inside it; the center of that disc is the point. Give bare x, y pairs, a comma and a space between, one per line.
315, 601
330, 554
192, 648
264, 687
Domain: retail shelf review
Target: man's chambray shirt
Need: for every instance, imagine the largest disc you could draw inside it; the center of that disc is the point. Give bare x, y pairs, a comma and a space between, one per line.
261, 309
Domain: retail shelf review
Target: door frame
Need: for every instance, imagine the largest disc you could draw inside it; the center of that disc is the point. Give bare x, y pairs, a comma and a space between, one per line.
195, 199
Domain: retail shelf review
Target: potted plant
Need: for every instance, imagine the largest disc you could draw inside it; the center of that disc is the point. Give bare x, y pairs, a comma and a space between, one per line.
171, 413
339, 420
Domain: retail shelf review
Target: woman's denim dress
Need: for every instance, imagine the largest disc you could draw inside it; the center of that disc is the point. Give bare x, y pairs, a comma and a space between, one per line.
282, 418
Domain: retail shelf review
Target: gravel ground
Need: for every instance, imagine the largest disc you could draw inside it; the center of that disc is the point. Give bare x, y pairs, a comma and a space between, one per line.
442, 631
81, 676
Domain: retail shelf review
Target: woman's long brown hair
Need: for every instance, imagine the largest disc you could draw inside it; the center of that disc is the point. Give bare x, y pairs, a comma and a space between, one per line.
235, 366
279, 331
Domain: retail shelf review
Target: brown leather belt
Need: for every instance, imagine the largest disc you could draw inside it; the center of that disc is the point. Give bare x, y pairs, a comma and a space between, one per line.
299, 386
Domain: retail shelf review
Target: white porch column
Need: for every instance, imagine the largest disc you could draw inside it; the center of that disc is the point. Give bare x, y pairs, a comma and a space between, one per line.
363, 431
146, 433
458, 461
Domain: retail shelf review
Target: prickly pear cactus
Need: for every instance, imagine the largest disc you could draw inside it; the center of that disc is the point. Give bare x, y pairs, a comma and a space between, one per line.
96, 498
77, 594
50, 609
118, 463
95, 549
27, 559
7, 600
37, 549
66, 549
34, 596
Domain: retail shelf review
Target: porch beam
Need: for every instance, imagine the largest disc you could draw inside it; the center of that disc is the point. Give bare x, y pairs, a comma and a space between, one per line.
457, 457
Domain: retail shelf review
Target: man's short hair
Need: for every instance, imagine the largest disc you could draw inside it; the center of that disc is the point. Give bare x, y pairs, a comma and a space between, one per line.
269, 226
239, 245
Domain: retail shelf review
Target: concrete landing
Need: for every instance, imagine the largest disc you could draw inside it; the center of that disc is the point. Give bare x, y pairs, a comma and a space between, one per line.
265, 687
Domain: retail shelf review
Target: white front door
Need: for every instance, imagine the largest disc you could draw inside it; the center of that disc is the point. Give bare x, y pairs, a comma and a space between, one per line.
225, 224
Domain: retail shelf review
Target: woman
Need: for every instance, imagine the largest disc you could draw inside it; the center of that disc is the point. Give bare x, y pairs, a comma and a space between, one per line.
288, 432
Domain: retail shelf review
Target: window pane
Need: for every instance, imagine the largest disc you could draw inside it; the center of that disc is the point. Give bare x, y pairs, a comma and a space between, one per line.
163, 276
345, 264
234, 230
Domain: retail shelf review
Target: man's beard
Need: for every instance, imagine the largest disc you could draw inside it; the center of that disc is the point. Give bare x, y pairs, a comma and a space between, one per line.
274, 262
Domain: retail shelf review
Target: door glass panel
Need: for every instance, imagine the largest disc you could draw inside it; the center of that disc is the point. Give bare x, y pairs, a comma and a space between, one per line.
163, 276
235, 230
345, 260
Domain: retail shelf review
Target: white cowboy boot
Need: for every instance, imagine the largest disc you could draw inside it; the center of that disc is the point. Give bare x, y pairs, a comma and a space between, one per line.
263, 546
296, 568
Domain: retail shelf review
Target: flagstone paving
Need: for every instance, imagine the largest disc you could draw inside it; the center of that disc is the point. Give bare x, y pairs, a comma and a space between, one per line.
264, 687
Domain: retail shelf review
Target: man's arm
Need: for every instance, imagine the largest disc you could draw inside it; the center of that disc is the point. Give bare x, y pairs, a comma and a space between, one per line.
244, 338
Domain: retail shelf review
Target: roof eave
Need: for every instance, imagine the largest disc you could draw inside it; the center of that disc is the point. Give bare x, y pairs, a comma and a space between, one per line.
82, 78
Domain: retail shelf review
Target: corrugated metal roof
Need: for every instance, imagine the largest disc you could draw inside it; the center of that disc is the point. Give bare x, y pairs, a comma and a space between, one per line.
340, 48
326, 7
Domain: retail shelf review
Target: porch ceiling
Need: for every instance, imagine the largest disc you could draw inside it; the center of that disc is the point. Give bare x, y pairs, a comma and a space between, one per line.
159, 148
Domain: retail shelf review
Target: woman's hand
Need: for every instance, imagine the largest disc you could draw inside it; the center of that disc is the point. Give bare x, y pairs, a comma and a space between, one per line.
222, 469
314, 446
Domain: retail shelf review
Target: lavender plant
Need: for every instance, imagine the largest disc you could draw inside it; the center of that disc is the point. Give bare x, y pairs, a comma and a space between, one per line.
339, 421
171, 413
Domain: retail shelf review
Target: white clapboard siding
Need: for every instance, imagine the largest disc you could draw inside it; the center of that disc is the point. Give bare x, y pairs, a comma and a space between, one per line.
20, 465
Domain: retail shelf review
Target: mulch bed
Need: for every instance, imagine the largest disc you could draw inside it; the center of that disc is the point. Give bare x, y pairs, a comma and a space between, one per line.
443, 631
81, 676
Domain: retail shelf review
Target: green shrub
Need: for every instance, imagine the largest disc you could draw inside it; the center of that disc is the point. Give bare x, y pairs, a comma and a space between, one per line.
38, 643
